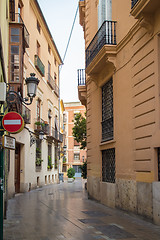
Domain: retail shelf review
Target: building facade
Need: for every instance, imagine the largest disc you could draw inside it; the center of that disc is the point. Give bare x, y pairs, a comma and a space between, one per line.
4, 17
32, 50
121, 93
74, 156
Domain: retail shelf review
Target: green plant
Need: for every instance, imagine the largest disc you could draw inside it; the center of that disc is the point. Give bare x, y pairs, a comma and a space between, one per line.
64, 159
71, 172
84, 170
39, 124
50, 165
38, 161
38, 150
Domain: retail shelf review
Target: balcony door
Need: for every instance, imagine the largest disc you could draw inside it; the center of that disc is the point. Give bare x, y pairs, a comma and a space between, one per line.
105, 14
104, 11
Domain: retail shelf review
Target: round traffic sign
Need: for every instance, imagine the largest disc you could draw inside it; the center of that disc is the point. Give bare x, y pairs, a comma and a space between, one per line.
13, 122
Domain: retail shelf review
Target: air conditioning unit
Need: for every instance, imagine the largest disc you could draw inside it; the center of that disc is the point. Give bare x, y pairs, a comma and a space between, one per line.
2, 92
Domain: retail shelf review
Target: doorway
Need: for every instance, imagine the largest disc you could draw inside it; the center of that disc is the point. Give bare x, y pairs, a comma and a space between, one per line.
17, 168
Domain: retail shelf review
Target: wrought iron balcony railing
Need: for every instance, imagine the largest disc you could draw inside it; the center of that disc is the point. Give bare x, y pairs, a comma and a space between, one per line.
41, 125
81, 77
133, 2
51, 81
55, 134
105, 35
39, 65
56, 90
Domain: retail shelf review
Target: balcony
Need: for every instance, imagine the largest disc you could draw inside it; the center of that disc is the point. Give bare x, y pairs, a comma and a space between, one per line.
19, 21
26, 114
141, 8
82, 90
51, 81
41, 125
39, 65
56, 90
106, 35
55, 135
82, 13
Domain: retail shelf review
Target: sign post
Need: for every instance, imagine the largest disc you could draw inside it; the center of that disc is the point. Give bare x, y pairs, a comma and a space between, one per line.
12, 122
1, 180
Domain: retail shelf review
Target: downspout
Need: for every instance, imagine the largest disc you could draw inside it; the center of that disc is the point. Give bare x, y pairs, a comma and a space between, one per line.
2, 59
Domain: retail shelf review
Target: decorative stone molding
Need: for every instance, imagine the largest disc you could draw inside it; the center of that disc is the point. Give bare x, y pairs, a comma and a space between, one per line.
146, 21
103, 65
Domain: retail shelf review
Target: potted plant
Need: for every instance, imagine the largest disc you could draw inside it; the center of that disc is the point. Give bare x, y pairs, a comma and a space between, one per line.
38, 162
70, 174
39, 124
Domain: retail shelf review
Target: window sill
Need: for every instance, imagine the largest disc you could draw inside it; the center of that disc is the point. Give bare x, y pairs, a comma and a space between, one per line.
104, 145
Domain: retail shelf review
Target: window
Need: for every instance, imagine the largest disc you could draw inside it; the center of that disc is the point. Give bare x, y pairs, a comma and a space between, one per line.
49, 121
38, 27
107, 111
38, 109
49, 68
77, 168
38, 152
55, 62
50, 166
76, 156
38, 49
49, 49
108, 165
15, 55
12, 10
55, 77
104, 11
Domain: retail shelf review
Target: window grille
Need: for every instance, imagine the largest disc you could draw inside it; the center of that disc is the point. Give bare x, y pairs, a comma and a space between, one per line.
108, 165
158, 164
107, 111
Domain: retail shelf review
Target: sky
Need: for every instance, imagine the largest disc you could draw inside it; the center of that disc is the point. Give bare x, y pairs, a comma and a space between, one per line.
59, 16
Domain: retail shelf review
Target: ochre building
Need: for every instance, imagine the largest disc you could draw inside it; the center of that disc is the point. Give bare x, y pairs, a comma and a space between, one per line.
121, 93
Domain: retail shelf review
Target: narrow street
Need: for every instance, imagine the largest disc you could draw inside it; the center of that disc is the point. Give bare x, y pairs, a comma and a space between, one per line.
63, 211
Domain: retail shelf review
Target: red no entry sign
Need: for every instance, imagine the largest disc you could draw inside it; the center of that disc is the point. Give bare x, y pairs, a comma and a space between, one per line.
13, 122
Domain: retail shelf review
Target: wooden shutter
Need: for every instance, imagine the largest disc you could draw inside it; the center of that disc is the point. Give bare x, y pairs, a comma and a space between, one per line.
12, 10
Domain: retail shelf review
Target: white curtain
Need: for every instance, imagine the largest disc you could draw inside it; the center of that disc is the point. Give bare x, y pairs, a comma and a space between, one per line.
104, 11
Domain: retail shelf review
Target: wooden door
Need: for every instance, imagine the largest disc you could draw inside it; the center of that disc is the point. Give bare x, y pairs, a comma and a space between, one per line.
17, 168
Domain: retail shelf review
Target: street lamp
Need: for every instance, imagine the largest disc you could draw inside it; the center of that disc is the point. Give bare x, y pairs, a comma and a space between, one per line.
41, 135
14, 98
32, 84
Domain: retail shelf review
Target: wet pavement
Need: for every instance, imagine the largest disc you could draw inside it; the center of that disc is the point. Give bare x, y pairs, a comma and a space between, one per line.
63, 211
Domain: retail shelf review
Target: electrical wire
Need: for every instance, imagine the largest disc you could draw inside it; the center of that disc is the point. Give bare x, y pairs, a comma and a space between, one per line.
70, 35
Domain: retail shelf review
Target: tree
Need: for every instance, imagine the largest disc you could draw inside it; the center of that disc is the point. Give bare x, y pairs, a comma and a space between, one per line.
84, 170
79, 130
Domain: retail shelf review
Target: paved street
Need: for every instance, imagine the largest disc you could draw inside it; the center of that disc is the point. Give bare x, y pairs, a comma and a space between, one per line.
62, 211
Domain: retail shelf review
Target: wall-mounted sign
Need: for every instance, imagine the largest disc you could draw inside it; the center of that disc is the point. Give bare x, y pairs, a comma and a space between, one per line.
13, 122
8, 142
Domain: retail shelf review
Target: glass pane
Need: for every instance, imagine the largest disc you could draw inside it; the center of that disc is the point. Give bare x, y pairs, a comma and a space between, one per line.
14, 49
14, 31
14, 38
